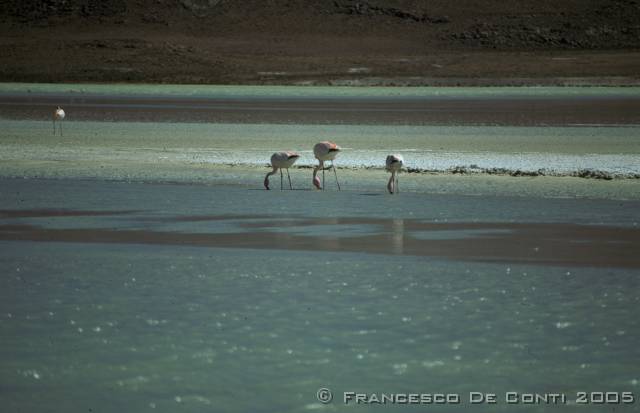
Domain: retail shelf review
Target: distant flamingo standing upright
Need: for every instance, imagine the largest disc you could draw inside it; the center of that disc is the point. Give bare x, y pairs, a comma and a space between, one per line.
324, 151
281, 160
58, 115
394, 165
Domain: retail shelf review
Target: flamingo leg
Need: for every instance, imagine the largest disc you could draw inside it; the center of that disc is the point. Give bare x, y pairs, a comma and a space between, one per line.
289, 176
281, 179
391, 185
336, 174
60, 128
397, 184
54, 126
323, 177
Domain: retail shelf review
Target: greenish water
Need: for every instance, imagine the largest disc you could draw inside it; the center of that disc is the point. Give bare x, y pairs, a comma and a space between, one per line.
312, 91
554, 150
113, 328
167, 129
129, 327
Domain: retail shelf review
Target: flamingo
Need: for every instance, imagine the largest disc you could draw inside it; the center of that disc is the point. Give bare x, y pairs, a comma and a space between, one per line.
394, 165
58, 115
324, 151
281, 160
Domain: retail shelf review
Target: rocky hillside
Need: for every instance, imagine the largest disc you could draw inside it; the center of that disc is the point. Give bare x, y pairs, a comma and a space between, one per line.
283, 41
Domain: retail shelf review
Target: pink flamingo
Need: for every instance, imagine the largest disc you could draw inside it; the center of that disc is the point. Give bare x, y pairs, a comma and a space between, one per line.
394, 165
58, 115
281, 160
324, 151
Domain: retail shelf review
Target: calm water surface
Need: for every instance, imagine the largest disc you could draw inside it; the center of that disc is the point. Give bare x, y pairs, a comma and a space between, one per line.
127, 326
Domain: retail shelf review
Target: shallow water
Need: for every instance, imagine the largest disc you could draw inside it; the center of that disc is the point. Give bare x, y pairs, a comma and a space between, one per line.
548, 150
542, 131
148, 327
213, 91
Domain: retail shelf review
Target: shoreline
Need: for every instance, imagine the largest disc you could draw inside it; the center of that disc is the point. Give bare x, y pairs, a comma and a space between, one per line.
417, 81
373, 87
10, 168
360, 180
383, 82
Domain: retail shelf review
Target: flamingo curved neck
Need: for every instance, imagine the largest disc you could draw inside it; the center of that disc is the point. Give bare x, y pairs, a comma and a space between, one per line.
318, 167
316, 180
266, 178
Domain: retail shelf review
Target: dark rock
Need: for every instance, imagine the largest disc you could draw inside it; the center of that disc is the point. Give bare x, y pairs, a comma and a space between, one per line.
362, 8
200, 8
595, 174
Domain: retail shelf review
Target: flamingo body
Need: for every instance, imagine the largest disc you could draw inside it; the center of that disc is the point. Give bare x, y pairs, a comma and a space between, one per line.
324, 151
280, 161
394, 165
284, 159
59, 114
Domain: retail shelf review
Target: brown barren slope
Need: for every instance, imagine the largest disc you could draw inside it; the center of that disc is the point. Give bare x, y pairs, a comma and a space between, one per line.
321, 41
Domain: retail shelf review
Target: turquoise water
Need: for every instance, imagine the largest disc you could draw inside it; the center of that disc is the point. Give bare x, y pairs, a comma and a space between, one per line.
112, 327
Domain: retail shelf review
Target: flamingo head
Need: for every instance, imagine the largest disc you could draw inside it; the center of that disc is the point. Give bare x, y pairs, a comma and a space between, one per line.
316, 182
